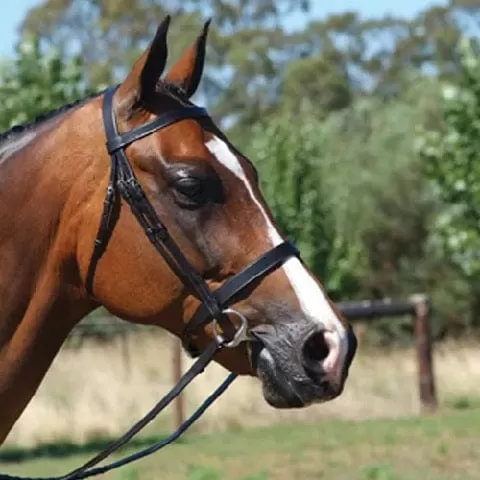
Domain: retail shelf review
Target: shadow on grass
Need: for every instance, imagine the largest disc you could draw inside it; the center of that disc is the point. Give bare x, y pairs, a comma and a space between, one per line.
67, 449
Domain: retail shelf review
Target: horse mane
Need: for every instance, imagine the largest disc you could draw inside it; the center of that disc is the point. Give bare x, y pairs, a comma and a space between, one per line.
18, 130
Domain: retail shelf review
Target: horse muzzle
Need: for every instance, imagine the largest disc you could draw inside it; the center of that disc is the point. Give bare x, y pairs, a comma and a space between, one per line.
299, 364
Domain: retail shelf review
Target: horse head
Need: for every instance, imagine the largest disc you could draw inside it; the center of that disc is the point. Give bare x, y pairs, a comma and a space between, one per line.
206, 194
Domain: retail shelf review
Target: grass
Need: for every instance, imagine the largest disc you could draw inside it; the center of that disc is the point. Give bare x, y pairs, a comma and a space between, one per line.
437, 447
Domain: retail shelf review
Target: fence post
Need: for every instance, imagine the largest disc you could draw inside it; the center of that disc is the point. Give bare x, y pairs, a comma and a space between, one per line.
177, 373
423, 345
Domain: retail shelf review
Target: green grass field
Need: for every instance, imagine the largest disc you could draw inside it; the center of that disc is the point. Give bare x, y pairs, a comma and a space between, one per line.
440, 447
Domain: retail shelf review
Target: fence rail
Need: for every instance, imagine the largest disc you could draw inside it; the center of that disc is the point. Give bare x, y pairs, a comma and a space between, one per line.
417, 307
371, 309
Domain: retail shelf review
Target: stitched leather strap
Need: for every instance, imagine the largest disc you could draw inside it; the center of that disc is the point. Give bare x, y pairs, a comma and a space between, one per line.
261, 267
121, 140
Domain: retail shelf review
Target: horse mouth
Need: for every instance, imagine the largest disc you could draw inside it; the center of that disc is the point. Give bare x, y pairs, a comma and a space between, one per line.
284, 382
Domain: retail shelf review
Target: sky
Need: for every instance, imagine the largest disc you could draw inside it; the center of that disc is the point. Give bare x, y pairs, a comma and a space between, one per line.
13, 11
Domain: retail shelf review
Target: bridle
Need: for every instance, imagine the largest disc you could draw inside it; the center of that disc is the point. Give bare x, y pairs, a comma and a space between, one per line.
214, 307
123, 181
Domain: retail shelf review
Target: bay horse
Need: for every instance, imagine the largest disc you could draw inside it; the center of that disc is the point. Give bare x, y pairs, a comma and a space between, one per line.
171, 162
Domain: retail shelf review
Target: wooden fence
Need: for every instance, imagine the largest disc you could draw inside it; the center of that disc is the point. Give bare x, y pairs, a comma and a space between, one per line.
417, 307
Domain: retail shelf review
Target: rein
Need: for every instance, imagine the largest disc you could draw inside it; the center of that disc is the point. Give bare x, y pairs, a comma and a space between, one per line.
214, 307
87, 469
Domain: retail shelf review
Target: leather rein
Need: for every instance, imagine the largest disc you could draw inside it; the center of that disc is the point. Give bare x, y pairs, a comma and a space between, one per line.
214, 307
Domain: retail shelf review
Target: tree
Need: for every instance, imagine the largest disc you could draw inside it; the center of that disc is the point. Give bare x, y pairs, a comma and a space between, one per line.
452, 161
377, 188
350, 189
382, 54
36, 82
316, 80
245, 53
286, 154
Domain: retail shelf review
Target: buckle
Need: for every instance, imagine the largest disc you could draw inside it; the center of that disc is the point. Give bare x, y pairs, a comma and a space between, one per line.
240, 334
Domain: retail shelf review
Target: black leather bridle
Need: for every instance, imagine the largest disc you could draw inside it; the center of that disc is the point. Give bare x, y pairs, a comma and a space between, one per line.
123, 181
214, 305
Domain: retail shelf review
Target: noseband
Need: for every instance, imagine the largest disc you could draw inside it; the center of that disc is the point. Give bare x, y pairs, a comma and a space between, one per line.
214, 306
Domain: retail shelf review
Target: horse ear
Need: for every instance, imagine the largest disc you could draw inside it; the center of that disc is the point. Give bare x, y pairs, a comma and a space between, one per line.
145, 74
186, 73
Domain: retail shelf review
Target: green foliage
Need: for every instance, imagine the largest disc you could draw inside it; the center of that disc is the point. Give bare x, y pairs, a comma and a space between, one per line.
35, 83
375, 183
383, 200
349, 190
330, 91
287, 155
452, 161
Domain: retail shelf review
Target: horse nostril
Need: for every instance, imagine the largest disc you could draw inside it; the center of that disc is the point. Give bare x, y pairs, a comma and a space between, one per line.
314, 351
316, 347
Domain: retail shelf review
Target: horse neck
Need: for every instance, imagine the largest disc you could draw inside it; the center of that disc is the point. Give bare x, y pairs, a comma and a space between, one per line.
43, 188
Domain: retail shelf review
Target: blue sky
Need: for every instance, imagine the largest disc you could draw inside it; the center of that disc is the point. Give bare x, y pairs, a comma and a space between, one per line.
13, 11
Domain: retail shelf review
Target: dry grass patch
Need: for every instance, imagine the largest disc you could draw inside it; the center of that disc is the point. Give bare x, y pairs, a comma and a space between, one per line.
91, 391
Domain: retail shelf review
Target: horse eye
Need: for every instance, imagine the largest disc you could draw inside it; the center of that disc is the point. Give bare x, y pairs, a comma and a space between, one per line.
189, 186
190, 191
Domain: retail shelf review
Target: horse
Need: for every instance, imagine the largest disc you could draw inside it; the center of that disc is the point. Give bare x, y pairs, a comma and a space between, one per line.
93, 191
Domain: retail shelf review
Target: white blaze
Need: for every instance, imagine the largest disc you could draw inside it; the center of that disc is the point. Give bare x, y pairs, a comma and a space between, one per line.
310, 296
